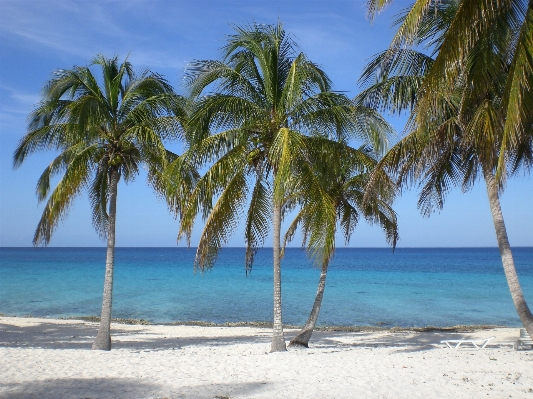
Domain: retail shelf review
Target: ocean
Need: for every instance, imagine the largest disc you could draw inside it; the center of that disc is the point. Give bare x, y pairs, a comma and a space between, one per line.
410, 287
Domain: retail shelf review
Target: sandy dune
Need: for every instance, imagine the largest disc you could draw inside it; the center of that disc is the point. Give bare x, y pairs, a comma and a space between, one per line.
45, 358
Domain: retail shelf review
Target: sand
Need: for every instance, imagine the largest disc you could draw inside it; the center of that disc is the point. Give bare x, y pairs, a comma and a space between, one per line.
46, 358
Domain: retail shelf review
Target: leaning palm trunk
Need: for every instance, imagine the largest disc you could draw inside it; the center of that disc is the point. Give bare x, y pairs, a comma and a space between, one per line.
303, 337
103, 338
507, 257
278, 339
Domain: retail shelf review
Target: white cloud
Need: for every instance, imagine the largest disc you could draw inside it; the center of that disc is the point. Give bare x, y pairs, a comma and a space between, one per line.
15, 104
25, 99
71, 27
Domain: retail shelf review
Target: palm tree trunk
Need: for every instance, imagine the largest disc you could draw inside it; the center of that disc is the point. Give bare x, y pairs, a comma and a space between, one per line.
103, 338
302, 339
278, 340
505, 251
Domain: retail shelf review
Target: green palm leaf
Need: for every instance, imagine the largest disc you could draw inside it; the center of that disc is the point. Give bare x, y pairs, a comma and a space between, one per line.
103, 131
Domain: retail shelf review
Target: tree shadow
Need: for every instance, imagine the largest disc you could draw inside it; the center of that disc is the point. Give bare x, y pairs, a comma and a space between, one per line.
47, 335
80, 335
404, 341
121, 388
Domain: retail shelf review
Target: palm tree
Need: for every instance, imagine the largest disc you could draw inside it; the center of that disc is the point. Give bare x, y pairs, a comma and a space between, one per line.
267, 100
103, 131
472, 21
345, 177
464, 133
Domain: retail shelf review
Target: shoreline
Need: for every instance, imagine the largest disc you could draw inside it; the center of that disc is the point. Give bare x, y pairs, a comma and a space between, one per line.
267, 325
50, 358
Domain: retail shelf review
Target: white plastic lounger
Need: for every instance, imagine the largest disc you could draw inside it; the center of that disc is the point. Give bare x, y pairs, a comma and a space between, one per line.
524, 340
478, 343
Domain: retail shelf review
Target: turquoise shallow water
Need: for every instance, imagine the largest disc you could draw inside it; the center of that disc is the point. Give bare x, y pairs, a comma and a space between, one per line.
410, 287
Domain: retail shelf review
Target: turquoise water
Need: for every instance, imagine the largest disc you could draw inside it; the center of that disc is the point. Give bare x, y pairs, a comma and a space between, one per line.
410, 287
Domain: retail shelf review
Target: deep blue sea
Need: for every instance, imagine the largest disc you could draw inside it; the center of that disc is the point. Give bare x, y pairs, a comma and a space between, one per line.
410, 287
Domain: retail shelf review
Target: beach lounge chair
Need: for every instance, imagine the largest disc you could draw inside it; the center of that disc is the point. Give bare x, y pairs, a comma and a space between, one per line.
524, 340
456, 343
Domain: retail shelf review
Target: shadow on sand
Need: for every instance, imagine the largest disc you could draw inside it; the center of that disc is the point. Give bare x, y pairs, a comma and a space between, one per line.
80, 335
404, 341
121, 388
45, 335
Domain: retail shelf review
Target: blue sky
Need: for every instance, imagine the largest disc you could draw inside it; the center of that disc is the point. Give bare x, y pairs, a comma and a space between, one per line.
39, 36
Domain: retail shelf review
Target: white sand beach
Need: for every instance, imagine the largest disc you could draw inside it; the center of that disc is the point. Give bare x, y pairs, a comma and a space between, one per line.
46, 358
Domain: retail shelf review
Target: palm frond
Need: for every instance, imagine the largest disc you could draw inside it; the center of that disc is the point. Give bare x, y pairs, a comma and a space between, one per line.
257, 220
221, 222
98, 129
74, 180
518, 99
